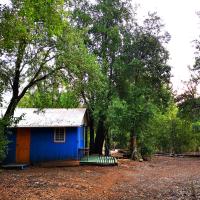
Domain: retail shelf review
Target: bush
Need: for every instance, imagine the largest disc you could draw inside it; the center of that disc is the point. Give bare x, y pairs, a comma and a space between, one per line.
147, 150
3, 139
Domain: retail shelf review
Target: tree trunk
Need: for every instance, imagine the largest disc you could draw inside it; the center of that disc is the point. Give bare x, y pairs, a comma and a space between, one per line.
11, 108
100, 137
107, 145
133, 145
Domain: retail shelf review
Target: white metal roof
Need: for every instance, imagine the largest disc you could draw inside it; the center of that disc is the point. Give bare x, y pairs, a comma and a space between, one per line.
32, 117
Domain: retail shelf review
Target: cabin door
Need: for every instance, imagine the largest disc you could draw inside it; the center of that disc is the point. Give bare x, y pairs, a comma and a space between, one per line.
23, 145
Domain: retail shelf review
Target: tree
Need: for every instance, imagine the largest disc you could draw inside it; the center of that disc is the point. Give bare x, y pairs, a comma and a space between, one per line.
196, 66
131, 57
189, 102
143, 76
104, 39
36, 42
46, 95
175, 134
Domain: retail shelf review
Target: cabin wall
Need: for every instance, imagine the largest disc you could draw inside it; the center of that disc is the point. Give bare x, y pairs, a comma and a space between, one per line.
81, 140
43, 147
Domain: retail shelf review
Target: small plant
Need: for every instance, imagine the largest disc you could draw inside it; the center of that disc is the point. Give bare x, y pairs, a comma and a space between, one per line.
147, 150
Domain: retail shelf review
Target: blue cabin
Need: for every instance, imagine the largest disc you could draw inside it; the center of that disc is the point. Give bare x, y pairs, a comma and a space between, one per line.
47, 135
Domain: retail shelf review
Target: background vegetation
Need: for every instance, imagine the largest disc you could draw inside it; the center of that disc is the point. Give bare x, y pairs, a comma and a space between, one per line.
62, 54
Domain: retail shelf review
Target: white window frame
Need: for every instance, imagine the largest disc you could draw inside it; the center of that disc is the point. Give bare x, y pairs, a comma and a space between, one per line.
55, 132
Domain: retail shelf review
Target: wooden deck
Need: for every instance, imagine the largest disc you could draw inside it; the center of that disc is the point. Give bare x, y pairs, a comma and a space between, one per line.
60, 163
98, 160
86, 160
15, 166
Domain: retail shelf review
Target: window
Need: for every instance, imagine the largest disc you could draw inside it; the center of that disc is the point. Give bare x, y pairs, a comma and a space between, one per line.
59, 135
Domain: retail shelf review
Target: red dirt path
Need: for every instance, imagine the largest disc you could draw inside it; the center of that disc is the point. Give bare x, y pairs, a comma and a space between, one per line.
163, 178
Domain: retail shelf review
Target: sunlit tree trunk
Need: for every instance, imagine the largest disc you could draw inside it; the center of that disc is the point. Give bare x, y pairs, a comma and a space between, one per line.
133, 145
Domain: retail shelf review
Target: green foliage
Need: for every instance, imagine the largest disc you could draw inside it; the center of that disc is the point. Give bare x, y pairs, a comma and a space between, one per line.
116, 109
116, 119
189, 102
51, 93
173, 134
147, 148
44, 99
133, 60
190, 109
97, 55
156, 130
37, 43
4, 132
3, 139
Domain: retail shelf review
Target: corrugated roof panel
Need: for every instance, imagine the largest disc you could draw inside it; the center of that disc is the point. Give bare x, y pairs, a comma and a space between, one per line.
49, 117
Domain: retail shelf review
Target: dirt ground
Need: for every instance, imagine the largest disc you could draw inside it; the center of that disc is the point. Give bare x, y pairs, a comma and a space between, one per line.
162, 178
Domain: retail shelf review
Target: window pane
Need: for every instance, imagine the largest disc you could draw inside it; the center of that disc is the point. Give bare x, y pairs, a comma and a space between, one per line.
59, 135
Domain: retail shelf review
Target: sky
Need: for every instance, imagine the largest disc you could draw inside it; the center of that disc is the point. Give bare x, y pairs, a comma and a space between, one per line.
183, 24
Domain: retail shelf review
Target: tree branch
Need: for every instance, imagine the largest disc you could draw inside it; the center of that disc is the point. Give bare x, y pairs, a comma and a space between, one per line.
35, 57
16, 78
35, 81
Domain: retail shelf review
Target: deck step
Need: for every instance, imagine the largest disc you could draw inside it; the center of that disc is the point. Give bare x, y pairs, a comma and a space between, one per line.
15, 166
99, 160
